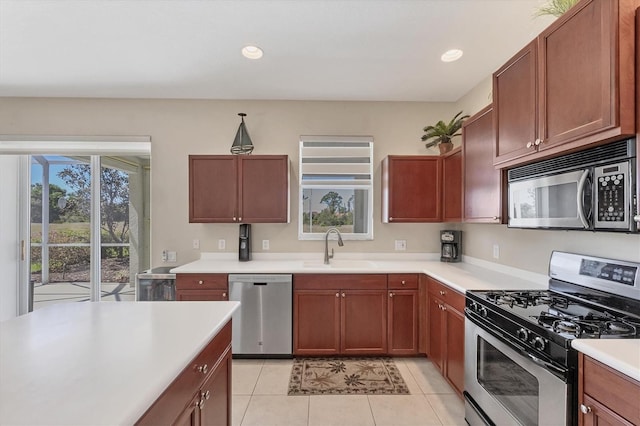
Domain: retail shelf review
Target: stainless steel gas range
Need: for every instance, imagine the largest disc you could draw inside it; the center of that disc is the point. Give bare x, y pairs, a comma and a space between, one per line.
520, 368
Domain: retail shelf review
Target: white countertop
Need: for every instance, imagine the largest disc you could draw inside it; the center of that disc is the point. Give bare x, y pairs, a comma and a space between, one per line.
472, 274
99, 363
620, 354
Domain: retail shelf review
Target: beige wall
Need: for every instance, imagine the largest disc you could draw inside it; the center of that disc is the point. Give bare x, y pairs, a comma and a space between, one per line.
182, 127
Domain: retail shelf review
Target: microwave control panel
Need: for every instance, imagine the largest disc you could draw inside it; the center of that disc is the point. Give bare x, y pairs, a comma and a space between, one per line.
610, 184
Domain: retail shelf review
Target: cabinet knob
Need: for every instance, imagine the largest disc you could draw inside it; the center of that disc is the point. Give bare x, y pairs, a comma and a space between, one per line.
200, 282
205, 395
442, 292
343, 295
224, 295
585, 409
234, 218
390, 294
529, 144
444, 308
239, 219
203, 369
636, 218
337, 294
390, 219
537, 142
495, 218
403, 282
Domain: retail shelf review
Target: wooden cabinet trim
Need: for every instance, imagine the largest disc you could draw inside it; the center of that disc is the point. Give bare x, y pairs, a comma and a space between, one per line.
452, 186
339, 281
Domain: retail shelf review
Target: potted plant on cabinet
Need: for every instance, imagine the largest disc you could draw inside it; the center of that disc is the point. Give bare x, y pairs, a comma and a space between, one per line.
441, 133
555, 8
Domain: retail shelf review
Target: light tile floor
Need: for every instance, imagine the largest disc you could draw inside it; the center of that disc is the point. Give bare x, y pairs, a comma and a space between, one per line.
260, 398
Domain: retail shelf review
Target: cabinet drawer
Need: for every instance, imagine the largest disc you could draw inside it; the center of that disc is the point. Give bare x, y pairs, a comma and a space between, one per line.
403, 281
201, 282
446, 294
611, 388
340, 282
175, 398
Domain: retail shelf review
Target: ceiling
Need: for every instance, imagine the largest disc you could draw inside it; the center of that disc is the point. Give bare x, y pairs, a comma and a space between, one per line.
373, 50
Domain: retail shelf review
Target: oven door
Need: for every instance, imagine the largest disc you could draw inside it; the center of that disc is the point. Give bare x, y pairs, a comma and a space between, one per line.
504, 386
558, 201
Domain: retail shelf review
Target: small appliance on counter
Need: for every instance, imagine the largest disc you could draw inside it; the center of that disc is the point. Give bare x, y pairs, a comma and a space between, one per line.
156, 284
244, 248
450, 246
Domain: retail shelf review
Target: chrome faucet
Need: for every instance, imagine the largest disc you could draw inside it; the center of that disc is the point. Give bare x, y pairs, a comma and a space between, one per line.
328, 256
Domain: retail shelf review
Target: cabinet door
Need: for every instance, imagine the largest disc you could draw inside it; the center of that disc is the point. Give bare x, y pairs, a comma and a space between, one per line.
213, 188
215, 394
316, 322
190, 416
264, 189
195, 295
452, 186
599, 415
436, 324
403, 322
454, 343
483, 188
580, 75
363, 322
515, 106
411, 189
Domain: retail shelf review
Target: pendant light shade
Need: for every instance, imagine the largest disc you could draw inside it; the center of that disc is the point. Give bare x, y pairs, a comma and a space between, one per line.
242, 143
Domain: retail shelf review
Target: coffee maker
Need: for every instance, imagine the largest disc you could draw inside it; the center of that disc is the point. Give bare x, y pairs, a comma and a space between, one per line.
450, 246
244, 248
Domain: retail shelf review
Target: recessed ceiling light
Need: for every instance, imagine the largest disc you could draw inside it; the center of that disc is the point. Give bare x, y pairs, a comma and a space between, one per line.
451, 55
252, 52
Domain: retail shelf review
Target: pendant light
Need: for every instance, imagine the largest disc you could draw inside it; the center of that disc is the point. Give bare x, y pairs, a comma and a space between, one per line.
242, 143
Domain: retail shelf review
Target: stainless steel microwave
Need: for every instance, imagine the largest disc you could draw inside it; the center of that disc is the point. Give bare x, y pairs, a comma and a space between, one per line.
594, 189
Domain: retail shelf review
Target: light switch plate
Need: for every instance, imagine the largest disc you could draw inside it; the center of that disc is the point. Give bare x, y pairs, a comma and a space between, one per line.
496, 251
171, 256
265, 244
222, 244
196, 244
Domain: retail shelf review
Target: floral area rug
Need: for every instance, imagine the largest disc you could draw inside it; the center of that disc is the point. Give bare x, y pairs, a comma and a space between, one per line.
345, 376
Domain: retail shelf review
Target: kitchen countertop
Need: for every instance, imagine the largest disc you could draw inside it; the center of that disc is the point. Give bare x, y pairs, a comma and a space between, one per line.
620, 354
99, 363
472, 274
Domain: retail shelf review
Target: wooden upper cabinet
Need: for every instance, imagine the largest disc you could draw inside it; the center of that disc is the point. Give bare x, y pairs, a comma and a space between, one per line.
452, 186
411, 187
239, 189
515, 100
571, 87
483, 185
586, 74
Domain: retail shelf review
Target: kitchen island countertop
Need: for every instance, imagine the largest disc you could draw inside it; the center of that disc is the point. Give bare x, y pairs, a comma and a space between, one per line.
620, 354
99, 363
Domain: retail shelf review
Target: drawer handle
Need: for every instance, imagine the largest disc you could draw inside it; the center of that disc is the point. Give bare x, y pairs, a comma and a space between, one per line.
200, 282
203, 369
585, 409
442, 292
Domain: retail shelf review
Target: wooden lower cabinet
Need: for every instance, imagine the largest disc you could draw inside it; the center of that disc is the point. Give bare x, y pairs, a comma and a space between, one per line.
446, 332
606, 396
201, 394
340, 314
193, 287
402, 337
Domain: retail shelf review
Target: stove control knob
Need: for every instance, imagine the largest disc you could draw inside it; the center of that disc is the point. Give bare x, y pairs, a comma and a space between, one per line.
482, 311
523, 334
473, 306
539, 343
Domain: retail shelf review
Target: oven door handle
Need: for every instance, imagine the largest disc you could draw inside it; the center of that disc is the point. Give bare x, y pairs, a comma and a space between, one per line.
544, 364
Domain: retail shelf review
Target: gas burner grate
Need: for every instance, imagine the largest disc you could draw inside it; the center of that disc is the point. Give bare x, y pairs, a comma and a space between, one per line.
592, 326
525, 299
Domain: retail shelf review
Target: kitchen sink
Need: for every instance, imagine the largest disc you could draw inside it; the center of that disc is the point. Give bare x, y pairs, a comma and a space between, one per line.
340, 264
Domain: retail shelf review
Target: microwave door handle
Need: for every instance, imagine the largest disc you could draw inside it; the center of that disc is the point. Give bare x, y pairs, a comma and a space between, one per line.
581, 183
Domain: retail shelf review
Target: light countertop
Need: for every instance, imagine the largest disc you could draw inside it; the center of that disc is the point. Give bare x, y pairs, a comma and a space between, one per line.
471, 274
99, 363
620, 354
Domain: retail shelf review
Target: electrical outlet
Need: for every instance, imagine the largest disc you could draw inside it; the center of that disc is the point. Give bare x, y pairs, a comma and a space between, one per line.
196, 244
222, 244
265, 244
496, 251
172, 256
401, 245
164, 255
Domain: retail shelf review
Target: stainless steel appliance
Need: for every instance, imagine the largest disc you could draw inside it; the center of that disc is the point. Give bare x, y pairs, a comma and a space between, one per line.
592, 190
450, 246
520, 368
263, 325
244, 245
156, 284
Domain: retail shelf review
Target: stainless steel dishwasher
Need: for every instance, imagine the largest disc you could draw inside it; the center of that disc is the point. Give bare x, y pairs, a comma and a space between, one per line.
262, 327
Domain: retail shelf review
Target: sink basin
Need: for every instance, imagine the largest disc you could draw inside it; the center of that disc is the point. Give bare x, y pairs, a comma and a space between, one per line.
340, 264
